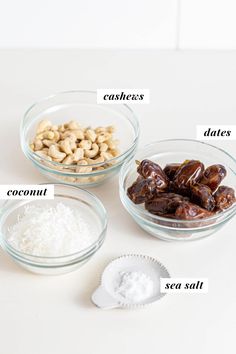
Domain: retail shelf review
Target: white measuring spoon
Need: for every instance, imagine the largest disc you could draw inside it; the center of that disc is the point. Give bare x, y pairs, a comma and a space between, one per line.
106, 297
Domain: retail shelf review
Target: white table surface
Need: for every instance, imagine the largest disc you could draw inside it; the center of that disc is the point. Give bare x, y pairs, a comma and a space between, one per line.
47, 315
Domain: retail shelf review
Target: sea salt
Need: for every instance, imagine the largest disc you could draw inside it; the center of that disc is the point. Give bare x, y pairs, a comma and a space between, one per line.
135, 286
51, 231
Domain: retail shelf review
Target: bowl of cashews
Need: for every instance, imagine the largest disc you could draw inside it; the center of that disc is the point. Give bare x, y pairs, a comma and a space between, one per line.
72, 139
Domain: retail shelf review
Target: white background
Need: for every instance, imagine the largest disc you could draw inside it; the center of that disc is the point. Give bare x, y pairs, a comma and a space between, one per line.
54, 315
165, 24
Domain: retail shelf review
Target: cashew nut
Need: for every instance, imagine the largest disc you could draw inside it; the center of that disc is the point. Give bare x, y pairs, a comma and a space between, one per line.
65, 146
68, 134
99, 159
43, 154
78, 154
106, 155
103, 137
38, 145
93, 152
112, 144
54, 128
111, 129
73, 145
72, 125
83, 169
55, 153
99, 168
45, 135
85, 144
103, 147
69, 179
90, 135
68, 160
43, 125
96, 178
61, 128
115, 152
48, 143
82, 180
57, 136
100, 130
79, 134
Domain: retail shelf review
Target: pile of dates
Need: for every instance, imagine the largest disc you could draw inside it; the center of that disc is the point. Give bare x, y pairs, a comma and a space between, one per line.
183, 191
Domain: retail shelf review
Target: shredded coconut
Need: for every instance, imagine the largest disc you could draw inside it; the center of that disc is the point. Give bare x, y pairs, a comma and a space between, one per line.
135, 286
50, 231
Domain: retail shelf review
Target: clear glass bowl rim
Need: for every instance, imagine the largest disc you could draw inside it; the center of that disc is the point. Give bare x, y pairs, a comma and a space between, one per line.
145, 215
81, 253
35, 157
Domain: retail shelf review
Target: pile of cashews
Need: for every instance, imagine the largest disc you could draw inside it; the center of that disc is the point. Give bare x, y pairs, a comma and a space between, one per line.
75, 146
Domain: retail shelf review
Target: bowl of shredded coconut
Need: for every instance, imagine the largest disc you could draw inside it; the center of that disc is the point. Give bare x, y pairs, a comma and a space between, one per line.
54, 236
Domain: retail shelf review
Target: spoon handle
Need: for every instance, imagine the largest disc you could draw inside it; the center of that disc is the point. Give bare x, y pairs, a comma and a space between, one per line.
102, 299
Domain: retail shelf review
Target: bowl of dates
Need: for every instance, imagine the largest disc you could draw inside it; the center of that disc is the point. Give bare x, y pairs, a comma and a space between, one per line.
180, 189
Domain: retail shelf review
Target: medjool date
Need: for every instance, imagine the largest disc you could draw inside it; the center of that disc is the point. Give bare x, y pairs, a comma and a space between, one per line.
190, 211
149, 169
181, 191
213, 176
224, 197
171, 169
187, 175
164, 203
141, 190
202, 195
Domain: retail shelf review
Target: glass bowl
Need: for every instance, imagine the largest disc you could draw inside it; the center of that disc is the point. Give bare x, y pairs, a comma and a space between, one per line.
90, 207
170, 151
80, 106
